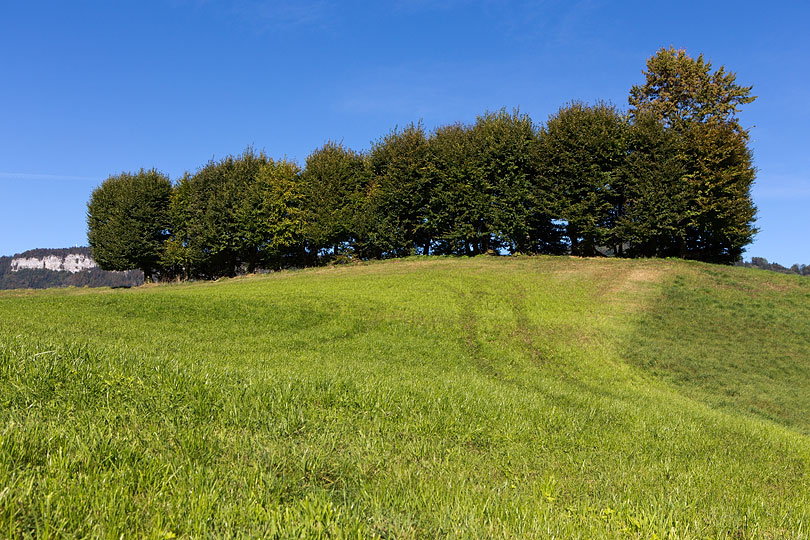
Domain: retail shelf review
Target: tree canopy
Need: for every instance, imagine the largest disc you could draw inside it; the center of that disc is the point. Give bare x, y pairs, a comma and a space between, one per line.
128, 221
681, 90
333, 184
582, 149
700, 107
672, 176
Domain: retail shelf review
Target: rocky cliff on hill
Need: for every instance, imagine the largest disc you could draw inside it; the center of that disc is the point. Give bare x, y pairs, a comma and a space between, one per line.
65, 267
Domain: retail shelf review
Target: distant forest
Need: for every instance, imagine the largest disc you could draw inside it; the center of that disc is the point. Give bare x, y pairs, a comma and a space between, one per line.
671, 177
763, 264
42, 279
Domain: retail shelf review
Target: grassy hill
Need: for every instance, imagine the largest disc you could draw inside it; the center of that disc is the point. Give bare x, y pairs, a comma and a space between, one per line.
423, 398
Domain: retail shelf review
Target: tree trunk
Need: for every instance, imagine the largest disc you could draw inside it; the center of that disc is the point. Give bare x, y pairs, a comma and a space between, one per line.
573, 235
588, 247
254, 255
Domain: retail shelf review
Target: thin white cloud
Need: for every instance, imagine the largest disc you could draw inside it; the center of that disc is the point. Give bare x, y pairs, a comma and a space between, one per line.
36, 176
407, 91
415, 6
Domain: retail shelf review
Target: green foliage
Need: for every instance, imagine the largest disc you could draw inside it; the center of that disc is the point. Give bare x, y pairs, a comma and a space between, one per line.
484, 187
720, 174
235, 214
214, 227
700, 106
520, 397
396, 222
183, 252
333, 182
763, 264
460, 206
656, 209
506, 160
682, 91
670, 178
272, 215
582, 151
128, 221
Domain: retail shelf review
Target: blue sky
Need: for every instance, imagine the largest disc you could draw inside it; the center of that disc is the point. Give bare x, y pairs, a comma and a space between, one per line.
91, 89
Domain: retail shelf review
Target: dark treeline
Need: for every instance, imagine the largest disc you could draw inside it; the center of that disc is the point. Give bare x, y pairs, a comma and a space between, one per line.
669, 178
41, 278
763, 264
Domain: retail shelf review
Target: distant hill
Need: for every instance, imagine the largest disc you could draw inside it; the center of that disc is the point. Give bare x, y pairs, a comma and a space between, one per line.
62, 267
763, 264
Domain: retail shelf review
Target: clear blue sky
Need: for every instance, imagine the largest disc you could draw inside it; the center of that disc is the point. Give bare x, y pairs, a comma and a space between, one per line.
91, 89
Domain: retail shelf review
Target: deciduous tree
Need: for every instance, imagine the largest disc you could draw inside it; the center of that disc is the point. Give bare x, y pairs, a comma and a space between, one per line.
655, 209
272, 216
333, 184
505, 158
681, 90
700, 106
460, 207
581, 152
128, 221
395, 207
210, 206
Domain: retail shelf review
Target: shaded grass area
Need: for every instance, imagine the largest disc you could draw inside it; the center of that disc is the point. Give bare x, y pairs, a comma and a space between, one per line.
407, 399
734, 338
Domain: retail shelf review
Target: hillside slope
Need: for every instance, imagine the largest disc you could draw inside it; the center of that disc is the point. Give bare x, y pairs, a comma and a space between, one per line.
424, 398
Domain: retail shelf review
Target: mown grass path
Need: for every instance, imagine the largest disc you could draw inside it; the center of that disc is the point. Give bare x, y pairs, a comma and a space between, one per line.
489, 397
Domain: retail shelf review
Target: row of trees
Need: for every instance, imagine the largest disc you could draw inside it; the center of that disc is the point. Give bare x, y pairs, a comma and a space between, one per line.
763, 264
671, 177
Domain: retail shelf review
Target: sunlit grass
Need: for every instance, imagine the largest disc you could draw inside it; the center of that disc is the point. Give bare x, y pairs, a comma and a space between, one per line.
486, 397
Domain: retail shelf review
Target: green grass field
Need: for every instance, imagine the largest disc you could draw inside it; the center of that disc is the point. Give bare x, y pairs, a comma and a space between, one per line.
534, 397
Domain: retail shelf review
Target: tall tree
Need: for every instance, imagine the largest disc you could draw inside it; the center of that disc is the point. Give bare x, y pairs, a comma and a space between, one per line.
655, 210
332, 183
700, 106
395, 208
128, 221
211, 206
506, 160
720, 174
681, 91
460, 207
272, 216
184, 254
581, 152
